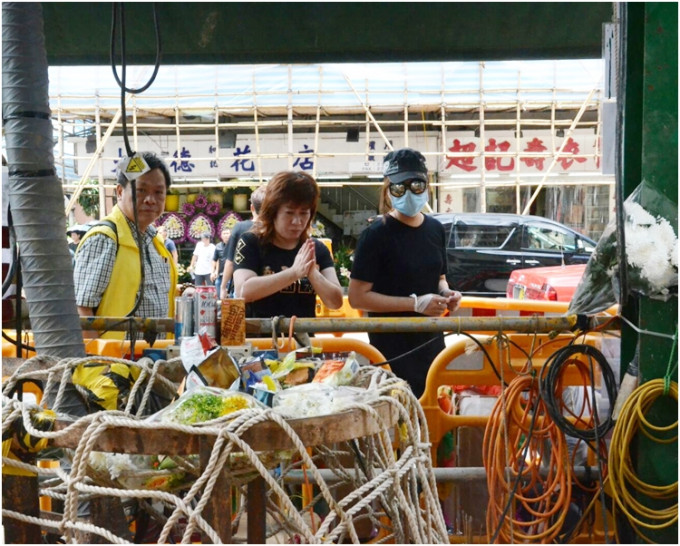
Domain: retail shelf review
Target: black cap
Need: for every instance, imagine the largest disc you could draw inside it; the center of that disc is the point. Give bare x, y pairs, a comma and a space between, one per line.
405, 164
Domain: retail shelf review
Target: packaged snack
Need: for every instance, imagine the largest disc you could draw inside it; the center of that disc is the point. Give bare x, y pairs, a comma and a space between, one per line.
337, 372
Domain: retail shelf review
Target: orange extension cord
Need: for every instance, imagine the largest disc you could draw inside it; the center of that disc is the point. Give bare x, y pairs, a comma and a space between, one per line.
523, 505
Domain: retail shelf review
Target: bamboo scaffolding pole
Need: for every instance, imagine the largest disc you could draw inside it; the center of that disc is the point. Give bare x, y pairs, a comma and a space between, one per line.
93, 160
533, 324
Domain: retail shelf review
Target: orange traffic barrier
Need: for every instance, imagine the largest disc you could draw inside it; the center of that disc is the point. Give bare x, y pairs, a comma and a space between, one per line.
482, 307
464, 363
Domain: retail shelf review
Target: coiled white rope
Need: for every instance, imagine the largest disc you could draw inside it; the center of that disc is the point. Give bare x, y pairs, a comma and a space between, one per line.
392, 477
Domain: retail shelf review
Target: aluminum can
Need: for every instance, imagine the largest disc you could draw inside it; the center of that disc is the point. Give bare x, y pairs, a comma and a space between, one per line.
205, 310
184, 317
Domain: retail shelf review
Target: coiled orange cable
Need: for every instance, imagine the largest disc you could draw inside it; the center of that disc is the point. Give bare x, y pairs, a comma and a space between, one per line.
523, 505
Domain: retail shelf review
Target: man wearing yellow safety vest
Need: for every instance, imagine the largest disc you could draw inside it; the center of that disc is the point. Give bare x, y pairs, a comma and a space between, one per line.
109, 278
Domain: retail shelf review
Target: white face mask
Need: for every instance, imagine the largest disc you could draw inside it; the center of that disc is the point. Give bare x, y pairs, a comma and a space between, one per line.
409, 204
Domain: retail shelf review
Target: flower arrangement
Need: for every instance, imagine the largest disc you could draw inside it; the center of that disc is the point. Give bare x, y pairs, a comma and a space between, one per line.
318, 229
229, 220
189, 209
651, 252
182, 274
212, 209
175, 225
343, 264
201, 201
198, 225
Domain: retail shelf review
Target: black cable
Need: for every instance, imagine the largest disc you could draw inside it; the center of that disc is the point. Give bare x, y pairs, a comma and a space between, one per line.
600, 467
21, 346
549, 380
113, 46
130, 153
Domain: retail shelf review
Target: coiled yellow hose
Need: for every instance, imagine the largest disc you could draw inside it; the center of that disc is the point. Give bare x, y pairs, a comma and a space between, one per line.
626, 487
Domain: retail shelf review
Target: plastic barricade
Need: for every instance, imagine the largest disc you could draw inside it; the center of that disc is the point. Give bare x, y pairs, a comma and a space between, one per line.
457, 364
10, 350
121, 348
346, 311
464, 363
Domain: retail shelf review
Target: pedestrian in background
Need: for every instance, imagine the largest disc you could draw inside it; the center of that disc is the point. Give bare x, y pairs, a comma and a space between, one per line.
75, 233
278, 268
256, 198
169, 243
201, 260
399, 268
219, 259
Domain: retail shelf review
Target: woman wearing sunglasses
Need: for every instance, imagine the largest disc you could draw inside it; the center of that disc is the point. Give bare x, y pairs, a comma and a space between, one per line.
400, 266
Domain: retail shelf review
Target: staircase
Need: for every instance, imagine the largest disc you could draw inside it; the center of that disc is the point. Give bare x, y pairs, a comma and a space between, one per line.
347, 207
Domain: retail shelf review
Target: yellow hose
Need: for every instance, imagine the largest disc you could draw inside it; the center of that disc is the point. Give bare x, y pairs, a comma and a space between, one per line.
626, 487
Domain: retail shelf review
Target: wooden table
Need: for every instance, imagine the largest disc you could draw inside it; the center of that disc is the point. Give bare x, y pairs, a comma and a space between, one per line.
265, 436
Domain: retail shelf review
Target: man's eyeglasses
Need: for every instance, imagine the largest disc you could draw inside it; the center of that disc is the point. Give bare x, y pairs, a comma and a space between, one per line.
416, 186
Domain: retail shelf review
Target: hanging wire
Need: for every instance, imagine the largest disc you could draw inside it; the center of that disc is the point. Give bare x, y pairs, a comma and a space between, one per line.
119, 11
672, 367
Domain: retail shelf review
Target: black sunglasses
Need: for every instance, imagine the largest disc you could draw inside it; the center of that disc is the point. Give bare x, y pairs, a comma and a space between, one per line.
417, 186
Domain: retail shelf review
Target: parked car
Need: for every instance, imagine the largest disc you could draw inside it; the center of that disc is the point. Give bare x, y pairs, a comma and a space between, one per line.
484, 249
554, 283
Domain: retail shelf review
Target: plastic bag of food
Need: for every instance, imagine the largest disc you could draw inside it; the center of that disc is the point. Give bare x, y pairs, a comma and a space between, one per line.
313, 399
651, 249
295, 369
205, 404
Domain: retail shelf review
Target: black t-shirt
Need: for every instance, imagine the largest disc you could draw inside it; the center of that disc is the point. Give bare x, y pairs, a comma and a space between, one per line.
401, 260
297, 299
220, 255
239, 229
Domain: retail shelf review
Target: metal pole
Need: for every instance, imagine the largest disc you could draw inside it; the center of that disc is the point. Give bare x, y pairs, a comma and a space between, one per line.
377, 324
461, 474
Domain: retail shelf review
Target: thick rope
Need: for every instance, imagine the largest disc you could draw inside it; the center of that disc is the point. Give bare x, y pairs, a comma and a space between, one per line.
385, 482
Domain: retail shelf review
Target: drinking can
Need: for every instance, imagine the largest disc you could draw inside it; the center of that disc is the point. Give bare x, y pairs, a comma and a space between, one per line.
184, 317
205, 310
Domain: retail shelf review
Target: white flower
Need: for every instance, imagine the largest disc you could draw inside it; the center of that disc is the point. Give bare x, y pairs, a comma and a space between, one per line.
651, 245
119, 463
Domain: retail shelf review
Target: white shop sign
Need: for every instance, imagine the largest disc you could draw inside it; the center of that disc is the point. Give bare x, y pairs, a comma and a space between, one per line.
197, 156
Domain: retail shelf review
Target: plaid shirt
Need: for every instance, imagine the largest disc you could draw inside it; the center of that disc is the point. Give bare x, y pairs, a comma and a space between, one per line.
94, 264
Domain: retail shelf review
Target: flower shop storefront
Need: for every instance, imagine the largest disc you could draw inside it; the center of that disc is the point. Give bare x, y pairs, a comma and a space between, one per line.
189, 215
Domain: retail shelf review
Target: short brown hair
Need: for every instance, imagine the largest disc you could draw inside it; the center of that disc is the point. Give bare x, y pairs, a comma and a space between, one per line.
299, 189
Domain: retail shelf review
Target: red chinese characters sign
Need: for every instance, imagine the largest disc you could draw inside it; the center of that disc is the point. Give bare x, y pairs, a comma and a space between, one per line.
500, 156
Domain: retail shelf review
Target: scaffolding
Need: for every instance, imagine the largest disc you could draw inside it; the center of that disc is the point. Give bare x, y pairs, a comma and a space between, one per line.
423, 105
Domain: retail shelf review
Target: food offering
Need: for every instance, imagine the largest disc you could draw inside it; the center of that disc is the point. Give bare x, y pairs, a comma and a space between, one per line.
201, 406
204, 404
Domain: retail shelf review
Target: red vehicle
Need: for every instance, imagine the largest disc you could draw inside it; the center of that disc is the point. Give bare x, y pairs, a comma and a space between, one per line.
554, 283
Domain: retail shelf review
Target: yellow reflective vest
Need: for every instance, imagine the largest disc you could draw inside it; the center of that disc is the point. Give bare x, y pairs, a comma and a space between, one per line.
119, 296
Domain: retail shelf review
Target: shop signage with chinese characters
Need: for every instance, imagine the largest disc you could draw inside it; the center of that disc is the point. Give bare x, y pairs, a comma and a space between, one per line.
499, 153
